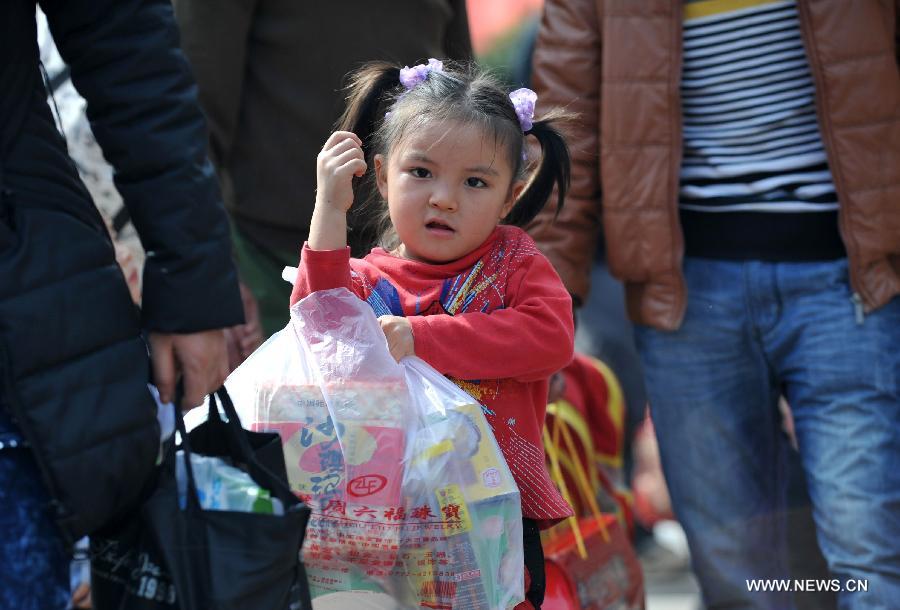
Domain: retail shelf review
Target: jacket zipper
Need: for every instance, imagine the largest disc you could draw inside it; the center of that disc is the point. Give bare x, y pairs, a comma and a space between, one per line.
860, 298
675, 166
6, 196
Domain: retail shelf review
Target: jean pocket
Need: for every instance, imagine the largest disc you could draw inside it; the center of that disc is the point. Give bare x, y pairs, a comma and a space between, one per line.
837, 273
888, 356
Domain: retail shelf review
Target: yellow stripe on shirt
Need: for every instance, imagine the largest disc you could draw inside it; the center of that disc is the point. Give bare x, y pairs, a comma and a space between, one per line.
705, 8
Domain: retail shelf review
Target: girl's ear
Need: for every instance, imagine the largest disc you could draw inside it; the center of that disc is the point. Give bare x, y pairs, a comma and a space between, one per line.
381, 175
515, 189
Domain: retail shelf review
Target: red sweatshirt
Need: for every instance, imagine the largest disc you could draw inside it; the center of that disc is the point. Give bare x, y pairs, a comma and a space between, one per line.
497, 322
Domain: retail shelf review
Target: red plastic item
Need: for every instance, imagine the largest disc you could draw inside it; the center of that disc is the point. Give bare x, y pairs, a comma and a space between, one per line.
559, 594
610, 577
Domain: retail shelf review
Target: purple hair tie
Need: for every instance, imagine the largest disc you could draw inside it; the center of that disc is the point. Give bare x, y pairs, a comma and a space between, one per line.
410, 77
523, 101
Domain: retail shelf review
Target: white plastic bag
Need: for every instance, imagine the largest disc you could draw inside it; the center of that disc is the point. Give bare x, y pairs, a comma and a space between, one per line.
409, 491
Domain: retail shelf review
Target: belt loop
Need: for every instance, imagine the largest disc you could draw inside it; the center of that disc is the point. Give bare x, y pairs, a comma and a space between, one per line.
859, 308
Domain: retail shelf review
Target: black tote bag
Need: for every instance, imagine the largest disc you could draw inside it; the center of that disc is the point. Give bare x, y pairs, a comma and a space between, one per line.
197, 559
216, 438
127, 572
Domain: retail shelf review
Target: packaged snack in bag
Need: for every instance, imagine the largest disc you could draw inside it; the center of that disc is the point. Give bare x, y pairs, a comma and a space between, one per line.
348, 468
475, 548
409, 491
361, 453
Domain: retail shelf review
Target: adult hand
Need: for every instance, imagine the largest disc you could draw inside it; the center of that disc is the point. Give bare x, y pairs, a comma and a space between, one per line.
339, 160
200, 358
243, 339
399, 335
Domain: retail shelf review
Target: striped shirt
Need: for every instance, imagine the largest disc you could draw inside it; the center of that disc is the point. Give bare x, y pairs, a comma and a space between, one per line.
753, 152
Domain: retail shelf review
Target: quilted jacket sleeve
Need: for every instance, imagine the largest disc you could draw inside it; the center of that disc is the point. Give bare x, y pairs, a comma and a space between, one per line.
566, 73
142, 105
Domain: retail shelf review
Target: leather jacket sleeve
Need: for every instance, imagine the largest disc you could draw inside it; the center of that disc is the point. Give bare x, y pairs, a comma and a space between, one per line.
897, 31
566, 73
142, 105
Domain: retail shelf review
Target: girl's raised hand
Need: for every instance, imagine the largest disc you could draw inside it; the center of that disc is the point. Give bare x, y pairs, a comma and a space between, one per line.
339, 160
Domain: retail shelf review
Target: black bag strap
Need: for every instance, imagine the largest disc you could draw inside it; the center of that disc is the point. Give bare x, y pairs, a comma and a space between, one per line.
193, 500
259, 473
233, 424
262, 475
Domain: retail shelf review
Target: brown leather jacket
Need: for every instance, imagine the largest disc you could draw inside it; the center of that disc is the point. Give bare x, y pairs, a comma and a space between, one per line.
617, 63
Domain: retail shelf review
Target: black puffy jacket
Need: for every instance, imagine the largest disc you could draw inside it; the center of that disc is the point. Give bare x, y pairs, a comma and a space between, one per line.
73, 366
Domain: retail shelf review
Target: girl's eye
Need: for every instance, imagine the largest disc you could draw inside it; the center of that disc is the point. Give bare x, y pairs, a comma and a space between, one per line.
476, 182
420, 172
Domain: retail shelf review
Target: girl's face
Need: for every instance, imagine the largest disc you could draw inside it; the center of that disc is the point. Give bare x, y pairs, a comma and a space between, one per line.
447, 186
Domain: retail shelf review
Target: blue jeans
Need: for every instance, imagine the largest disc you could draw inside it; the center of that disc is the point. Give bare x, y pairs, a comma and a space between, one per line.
754, 331
34, 566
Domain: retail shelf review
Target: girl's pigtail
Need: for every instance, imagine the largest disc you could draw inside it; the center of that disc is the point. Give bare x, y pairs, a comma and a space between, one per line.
367, 101
554, 170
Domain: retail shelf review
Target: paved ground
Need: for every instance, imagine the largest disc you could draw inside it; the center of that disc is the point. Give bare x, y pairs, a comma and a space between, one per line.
670, 584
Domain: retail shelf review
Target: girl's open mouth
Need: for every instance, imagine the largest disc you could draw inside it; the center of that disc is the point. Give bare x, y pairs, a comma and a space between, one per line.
439, 228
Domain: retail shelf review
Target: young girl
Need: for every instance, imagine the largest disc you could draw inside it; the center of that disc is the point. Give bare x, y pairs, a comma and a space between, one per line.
457, 282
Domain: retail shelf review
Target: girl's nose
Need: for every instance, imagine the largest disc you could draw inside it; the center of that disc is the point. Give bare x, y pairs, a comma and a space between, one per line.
443, 200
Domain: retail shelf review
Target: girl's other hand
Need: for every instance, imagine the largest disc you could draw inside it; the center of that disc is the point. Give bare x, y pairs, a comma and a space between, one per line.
339, 160
399, 335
